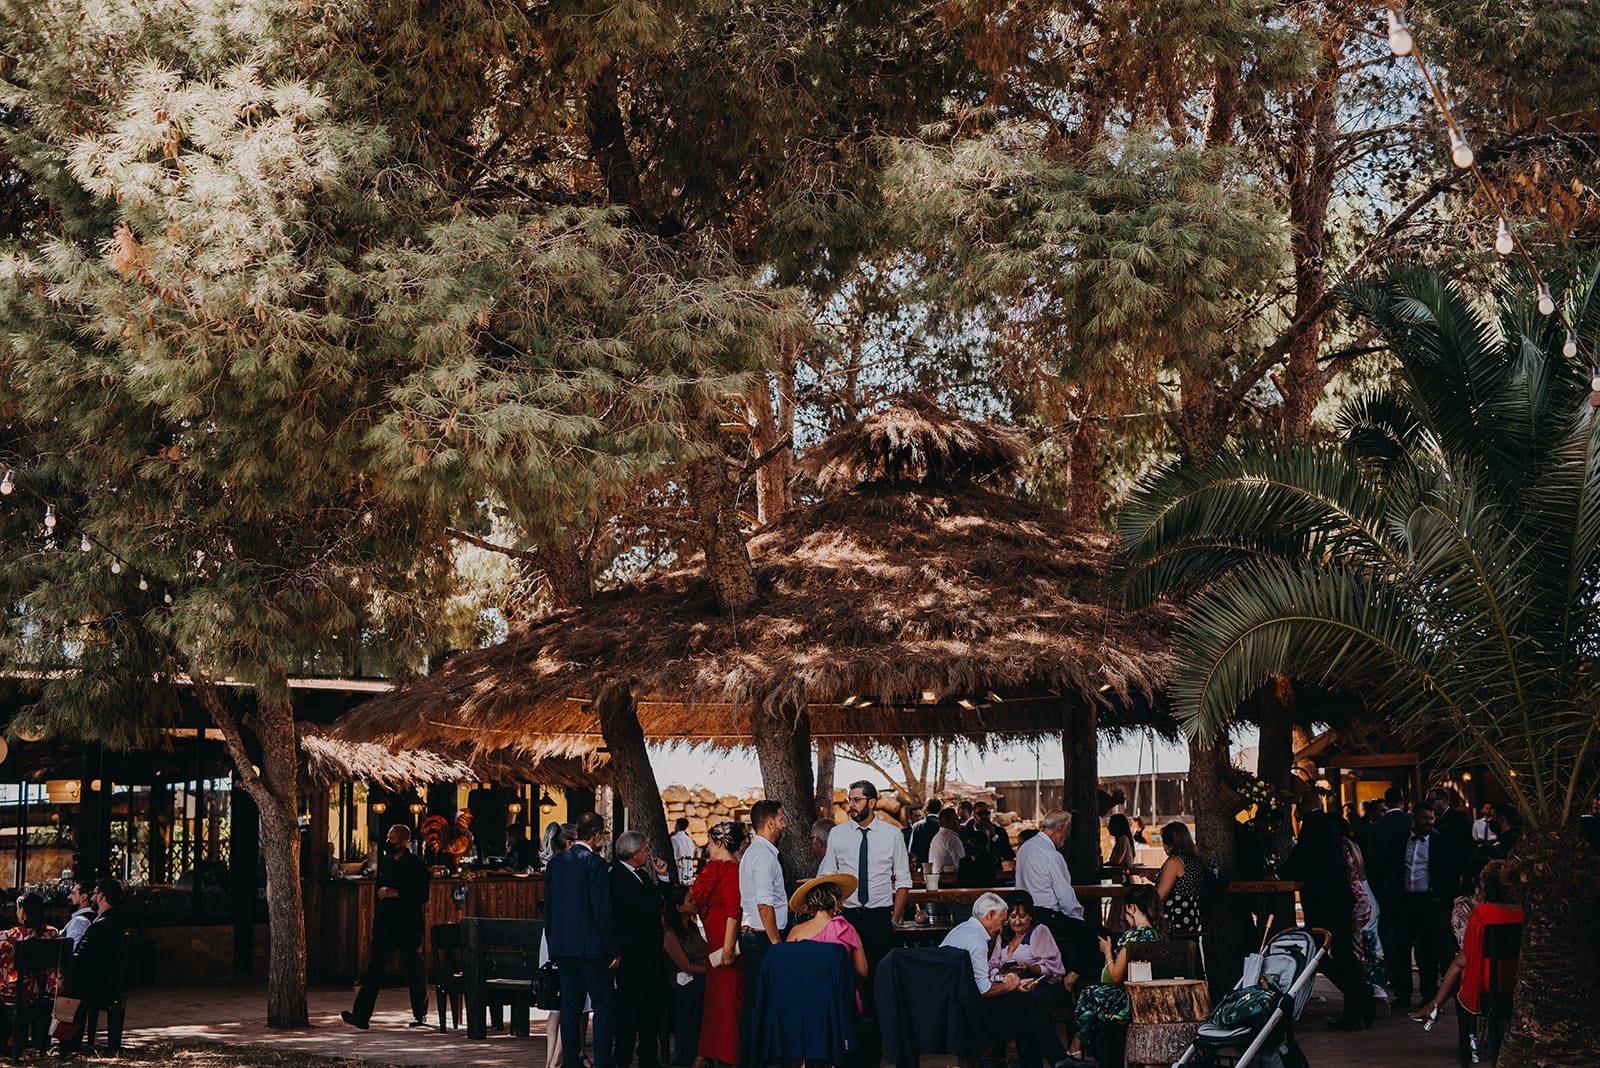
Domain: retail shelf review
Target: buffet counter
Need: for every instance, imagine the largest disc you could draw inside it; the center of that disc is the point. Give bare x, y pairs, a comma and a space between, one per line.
339, 949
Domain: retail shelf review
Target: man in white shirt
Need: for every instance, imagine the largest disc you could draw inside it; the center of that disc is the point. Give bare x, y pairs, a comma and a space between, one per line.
765, 905
1483, 826
1042, 872
83, 912
683, 851
976, 936
945, 850
1420, 915
875, 853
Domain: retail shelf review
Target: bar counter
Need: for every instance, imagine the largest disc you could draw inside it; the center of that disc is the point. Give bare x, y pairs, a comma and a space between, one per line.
340, 947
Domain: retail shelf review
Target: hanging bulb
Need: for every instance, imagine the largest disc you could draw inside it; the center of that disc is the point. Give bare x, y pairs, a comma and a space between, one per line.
1570, 349
166, 598
84, 544
6, 484
1460, 151
1594, 383
1547, 303
1503, 241
1400, 42
116, 567
143, 585
50, 517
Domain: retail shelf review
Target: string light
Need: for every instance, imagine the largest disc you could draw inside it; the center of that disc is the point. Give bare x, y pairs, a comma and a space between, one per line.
1504, 243
1460, 151
84, 544
143, 585
1547, 303
1400, 42
1570, 349
116, 567
166, 598
49, 517
7, 484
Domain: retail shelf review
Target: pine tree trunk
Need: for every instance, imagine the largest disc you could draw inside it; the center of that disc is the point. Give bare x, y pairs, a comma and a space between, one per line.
632, 774
276, 794
1555, 1017
714, 494
1085, 486
1225, 922
1080, 755
783, 748
825, 764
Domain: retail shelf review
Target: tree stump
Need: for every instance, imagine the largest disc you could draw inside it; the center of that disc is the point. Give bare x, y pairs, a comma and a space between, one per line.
1162, 1001
1157, 1043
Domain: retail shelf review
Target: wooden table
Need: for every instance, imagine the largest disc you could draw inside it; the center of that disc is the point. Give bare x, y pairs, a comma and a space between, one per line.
1265, 888
1095, 892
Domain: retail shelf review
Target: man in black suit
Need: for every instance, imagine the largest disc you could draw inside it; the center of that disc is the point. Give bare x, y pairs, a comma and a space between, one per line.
397, 927
922, 832
96, 972
582, 935
1411, 870
1386, 842
636, 899
1318, 861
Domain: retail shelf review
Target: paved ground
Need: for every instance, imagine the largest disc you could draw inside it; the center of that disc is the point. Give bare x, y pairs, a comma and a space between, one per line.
232, 1013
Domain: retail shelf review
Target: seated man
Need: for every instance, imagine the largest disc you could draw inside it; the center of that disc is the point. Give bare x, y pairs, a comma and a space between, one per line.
975, 937
83, 911
97, 961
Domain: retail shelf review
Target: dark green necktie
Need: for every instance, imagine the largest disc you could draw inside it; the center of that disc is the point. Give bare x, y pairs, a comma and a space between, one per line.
861, 871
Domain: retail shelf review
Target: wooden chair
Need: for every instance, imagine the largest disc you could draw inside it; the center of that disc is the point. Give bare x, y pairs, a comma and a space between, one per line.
34, 959
500, 958
1502, 945
1168, 958
449, 970
116, 1012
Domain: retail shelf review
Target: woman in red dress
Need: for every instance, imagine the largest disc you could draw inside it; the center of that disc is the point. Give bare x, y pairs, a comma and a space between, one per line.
716, 893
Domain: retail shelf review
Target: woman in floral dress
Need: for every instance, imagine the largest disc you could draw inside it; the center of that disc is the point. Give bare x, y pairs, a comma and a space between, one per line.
1106, 1001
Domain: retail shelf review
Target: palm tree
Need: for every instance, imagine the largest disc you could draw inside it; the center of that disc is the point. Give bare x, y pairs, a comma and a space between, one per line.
1443, 560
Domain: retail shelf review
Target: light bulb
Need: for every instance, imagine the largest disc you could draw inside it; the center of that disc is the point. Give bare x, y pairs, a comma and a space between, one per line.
84, 544
166, 598
1460, 151
1504, 243
116, 567
143, 585
6, 484
1400, 42
1547, 303
1594, 383
50, 517
1570, 349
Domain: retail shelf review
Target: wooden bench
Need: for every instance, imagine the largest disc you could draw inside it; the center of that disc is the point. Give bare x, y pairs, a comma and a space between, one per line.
499, 958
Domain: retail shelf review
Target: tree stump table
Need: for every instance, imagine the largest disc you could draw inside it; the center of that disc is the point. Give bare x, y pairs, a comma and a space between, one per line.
1165, 1014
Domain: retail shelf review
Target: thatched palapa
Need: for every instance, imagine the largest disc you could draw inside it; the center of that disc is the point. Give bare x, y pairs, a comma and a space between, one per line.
330, 760
912, 600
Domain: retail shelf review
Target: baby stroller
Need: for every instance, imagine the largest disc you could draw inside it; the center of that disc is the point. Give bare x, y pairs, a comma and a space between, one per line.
1254, 1025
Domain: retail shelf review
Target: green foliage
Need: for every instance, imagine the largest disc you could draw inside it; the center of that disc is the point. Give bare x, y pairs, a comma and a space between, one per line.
1446, 562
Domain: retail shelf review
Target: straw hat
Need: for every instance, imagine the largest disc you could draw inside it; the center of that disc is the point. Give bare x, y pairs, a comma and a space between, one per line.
845, 882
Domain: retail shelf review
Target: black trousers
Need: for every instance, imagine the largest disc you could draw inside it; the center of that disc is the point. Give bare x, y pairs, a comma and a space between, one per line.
753, 946
388, 940
1080, 949
641, 990
1416, 928
1341, 966
1025, 1019
876, 928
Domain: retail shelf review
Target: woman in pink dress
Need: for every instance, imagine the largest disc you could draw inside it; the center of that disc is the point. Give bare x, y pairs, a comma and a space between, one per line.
822, 897
716, 894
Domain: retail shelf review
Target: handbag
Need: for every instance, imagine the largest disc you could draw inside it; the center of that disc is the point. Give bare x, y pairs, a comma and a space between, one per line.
547, 987
64, 1018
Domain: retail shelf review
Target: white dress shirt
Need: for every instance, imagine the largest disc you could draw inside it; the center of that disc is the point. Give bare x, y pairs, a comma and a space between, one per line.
945, 851
1417, 865
761, 883
1042, 872
683, 852
971, 937
886, 854
1482, 831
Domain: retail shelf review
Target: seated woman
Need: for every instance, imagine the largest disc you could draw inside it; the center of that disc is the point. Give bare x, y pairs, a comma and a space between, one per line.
30, 924
687, 953
822, 897
1180, 882
1469, 971
1028, 949
1106, 1002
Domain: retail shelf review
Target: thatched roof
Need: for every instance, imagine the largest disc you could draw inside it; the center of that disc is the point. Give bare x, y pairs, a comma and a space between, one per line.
910, 601
329, 760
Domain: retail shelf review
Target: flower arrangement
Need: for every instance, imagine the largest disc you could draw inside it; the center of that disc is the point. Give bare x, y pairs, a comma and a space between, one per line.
1261, 803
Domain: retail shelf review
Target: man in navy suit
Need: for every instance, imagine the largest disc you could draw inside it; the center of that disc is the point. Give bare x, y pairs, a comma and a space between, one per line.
582, 934
1385, 845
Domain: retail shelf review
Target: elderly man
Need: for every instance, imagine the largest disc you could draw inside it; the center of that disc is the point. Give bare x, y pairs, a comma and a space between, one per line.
975, 937
1042, 872
820, 831
636, 896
